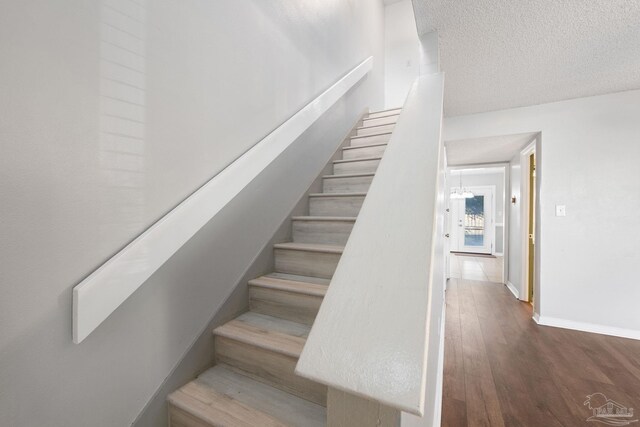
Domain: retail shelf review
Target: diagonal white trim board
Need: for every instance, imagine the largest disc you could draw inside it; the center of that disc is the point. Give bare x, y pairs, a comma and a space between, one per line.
97, 296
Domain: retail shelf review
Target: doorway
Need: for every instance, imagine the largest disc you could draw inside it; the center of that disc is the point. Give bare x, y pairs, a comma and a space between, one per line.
517, 237
472, 221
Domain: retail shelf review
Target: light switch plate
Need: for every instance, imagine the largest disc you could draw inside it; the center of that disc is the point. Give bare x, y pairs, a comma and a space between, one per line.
561, 210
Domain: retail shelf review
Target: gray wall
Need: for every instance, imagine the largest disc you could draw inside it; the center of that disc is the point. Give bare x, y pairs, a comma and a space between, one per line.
98, 142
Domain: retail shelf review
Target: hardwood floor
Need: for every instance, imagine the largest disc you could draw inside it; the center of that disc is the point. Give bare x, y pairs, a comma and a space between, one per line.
501, 369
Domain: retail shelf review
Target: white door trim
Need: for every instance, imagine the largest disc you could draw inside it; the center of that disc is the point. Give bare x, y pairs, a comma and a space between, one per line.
524, 214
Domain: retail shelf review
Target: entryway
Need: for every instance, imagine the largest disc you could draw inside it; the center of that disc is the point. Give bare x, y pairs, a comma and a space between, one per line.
475, 223
472, 222
492, 211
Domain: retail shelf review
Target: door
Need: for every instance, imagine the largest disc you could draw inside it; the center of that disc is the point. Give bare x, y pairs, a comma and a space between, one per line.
472, 225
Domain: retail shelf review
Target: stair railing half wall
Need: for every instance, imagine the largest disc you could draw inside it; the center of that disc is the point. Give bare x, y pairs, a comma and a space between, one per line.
377, 333
97, 296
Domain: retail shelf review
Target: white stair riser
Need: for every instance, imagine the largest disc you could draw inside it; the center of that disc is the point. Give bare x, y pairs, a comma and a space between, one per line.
380, 121
306, 263
273, 368
322, 232
373, 139
301, 308
358, 184
364, 152
335, 206
363, 166
384, 113
375, 129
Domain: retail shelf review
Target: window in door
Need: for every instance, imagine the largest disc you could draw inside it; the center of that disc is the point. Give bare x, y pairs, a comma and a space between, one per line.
474, 221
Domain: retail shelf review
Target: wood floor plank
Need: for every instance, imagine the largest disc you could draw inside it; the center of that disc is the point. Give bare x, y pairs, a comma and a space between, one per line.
454, 413
483, 406
454, 364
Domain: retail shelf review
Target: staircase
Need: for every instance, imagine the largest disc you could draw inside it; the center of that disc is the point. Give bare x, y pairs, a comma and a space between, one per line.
253, 382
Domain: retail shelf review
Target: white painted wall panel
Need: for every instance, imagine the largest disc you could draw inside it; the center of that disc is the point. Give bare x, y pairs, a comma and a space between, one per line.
92, 155
402, 52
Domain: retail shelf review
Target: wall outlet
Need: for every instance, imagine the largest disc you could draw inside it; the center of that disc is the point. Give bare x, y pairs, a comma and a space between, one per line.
561, 210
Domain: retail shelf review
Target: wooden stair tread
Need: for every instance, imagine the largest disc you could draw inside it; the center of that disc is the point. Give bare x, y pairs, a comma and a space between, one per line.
310, 247
223, 397
370, 135
348, 175
387, 110
337, 194
293, 286
361, 159
374, 126
392, 114
357, 147
266, 332
299, 278
324, 218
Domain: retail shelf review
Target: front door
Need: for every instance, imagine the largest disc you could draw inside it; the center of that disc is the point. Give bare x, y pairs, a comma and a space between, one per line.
472, 225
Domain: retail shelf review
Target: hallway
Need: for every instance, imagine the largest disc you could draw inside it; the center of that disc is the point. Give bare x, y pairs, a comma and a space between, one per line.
501, 369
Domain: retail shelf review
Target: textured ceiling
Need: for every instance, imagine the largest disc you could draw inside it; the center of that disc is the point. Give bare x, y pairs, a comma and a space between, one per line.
493, 149
509, 53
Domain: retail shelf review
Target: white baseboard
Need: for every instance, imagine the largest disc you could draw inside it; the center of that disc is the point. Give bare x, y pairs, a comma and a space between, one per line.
513, 289
586, 327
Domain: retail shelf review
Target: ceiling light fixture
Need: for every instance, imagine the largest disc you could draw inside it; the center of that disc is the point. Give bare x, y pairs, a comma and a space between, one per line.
461, 192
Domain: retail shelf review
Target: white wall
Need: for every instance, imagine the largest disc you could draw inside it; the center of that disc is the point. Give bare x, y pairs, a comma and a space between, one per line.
402, 52
587, 160
105, 130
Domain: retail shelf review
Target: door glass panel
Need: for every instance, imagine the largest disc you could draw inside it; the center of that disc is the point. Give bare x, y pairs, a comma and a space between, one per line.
474, 221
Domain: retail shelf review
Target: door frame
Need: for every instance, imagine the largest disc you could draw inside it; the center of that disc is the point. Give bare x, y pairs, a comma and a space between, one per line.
447, 221
525, 215
490, 230
505, 168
